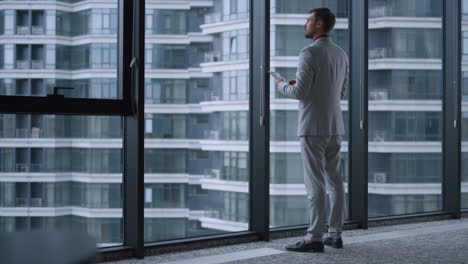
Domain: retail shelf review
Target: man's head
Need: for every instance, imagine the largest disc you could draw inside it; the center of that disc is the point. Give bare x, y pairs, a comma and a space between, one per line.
320, 21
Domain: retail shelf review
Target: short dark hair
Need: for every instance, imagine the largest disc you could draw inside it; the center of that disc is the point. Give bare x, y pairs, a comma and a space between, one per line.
326, 16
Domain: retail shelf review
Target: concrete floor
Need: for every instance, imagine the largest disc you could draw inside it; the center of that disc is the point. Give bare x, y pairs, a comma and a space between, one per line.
430, 242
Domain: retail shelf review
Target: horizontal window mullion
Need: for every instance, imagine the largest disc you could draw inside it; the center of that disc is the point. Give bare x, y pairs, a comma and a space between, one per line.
73, 106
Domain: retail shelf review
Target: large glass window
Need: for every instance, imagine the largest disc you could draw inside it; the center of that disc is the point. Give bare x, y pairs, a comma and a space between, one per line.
288, 201
405, 118
62, 172
58, 46
196, 120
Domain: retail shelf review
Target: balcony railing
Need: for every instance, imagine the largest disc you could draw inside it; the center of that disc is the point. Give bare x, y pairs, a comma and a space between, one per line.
381, 11
34, 132
37, 30
22, 30
37, 64
212, 18
35, 167
218, 17
378, 95
213, 173
36, 202
211, 134
379, 53
22, 133
28, 167
213, 56
22, 202
22, 64
22, 167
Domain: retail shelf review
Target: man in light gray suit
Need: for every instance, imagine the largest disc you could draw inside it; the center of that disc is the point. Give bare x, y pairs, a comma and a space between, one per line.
321, 81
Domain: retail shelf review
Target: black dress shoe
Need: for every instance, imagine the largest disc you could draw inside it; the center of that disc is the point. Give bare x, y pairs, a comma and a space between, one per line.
333, 242
302, 246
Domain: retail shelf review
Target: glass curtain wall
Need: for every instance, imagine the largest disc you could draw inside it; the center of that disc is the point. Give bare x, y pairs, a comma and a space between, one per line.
405, 106
196, 119
464, 99
59, 46
60, 171
288, 201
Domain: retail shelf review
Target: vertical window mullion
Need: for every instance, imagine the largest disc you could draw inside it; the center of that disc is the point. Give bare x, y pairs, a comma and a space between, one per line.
259, 117
358, 136
451, 183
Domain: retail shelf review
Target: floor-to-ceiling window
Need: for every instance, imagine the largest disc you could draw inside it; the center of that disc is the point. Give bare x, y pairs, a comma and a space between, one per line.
60, 171
288, 201
405, 107
196, 119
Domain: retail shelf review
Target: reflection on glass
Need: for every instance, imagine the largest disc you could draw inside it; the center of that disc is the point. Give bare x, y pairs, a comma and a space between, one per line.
62, 172
196, 119
405, 119
288, 202
58, 46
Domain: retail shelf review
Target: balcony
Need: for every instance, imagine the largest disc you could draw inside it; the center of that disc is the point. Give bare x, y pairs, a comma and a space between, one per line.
22, 30
28, 167
22, 64
37, 30
22, 133
212, 18
379, 53
378, 135
37, 64
378, 177
213, 56
211, 134
381, 11
36, 202
378, 95
34, 132
22, 202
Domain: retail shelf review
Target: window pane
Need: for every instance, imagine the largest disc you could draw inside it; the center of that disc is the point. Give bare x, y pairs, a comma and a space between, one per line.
464, 125
65, 44
196, 119
288, 200
62, 172
405, 118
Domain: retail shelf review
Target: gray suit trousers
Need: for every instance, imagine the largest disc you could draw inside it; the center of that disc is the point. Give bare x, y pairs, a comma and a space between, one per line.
323, 173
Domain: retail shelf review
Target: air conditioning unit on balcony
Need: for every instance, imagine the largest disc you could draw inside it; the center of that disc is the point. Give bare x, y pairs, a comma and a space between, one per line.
35, 132
212, 57
379, 177
215, 173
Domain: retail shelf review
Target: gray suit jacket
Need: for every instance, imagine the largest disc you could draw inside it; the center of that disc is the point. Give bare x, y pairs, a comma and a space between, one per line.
321, 81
